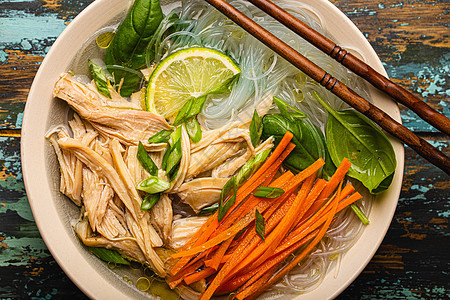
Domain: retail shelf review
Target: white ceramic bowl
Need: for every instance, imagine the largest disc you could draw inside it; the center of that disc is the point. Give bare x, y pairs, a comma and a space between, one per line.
54, 214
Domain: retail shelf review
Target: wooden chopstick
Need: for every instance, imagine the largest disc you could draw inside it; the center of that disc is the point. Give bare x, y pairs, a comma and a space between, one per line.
396, 129
353, 63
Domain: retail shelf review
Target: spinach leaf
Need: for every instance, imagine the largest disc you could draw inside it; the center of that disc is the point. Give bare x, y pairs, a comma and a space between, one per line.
352, 135
309, 144
108, 255
129, 45
100, 79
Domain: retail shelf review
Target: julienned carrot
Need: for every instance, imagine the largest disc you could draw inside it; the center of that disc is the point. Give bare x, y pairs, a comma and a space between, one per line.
258, 289
265, 249
197, 276
207, 229
271, 222
178, 278
271, 159
217, 257
248, 278
231, 231
332, 184
252, 202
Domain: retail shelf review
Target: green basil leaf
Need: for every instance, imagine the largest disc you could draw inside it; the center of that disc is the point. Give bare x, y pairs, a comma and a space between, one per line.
153, 185
352, 135
260, 225
149, 201
100, 79
230, 186
268, 192
160, 137
255, 129
194, 130
291, 114
174, 157
108, 255
146, 161
129, 45
209, 209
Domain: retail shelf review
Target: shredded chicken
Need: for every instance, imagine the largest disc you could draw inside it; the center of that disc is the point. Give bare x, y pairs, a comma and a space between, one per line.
129, 126
201, 192
183, 229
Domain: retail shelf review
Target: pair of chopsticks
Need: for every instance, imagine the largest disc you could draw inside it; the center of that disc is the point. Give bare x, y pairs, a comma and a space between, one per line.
422, 147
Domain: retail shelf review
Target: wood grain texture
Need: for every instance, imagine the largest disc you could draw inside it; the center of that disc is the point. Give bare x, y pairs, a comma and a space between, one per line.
411, 39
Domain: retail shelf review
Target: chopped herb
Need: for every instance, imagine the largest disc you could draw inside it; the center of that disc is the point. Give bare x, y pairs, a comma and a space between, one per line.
150, 200
194, 130
100, 79
174, 157
268, 192
360, 214
230, 186
255, 128
160, 137
260, 225
153, 185
146, 161
209, 209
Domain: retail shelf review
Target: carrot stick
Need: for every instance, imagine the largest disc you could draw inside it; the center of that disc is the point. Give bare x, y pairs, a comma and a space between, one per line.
284, 147
248, 278
178, 278
264, 250
233, 229
332, 184
197, 276
272, 221
302, 255
217, 258
270, 160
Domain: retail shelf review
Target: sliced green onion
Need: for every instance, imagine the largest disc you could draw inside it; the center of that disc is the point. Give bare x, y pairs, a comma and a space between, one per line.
181, 116
153, 185
230, 186
209, 209
194, 130
99, 75
251, 166
108, 255
174, 136
160, 137
146, 161
360, 214
165, 158
174, 157
268, 192
283, 107
255, 128
149, 201
196, 107
260, 225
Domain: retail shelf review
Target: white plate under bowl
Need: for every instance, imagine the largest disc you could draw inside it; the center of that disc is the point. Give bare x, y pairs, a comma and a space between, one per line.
54, 214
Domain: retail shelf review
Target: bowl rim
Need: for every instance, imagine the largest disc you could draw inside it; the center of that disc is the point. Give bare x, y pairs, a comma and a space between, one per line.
59, 243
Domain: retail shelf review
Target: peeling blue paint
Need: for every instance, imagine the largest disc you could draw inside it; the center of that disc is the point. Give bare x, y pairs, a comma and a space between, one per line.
3, 56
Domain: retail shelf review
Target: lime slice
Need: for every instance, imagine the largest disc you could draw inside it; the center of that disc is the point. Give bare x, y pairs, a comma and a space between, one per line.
187, 73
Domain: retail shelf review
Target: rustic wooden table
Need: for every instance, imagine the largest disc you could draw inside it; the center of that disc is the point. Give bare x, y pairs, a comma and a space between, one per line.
412, 40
